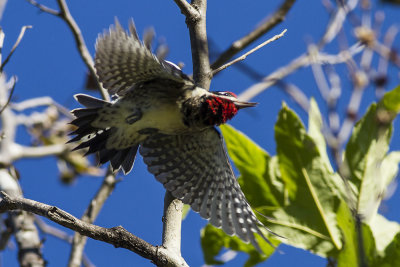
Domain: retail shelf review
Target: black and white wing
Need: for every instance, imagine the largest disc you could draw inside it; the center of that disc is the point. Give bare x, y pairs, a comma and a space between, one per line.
195, 169
122, 60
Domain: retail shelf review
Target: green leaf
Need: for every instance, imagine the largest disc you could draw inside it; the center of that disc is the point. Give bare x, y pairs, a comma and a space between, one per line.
352, 253
391, 100
315, 131
213, 240
313, 198
369, 168
348, 254
392, 254
384, 231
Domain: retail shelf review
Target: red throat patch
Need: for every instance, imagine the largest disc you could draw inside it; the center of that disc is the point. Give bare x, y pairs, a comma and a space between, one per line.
219, 110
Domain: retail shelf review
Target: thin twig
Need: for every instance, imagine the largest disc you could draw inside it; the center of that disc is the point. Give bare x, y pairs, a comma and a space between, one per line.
80, 43
299, 62
44, 8
2, 36
10, 95
17, 42
269, 23
65, 15
51, 230
117, 236
41, 101
243, 57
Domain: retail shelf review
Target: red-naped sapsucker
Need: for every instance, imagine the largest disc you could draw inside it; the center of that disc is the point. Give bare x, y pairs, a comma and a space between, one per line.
172, 121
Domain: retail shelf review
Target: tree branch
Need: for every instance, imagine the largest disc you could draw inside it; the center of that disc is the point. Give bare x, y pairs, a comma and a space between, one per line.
19, 39
90, 215
53, 231
199, 44
65, 15
244, 56
117, 236
172, 222
188, 10
9, 95
18, 151
245, 41
299, 62
21, 224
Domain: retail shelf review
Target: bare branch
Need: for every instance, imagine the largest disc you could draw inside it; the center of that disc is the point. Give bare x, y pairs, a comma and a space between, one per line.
10, 95
302, 61
188, 10
44, 8
172, 220
53, 231
90, 215
117, 236
18, 151
297, 94
199, 44
65, 15
22, 225
337, 21
41, 101
80, 43
243, 57
269, 23
17, 42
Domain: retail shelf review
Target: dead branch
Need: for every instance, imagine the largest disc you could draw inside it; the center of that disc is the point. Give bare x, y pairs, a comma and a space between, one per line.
17, 42
116, 236
244, 56
91, 213
268, 24
66, 16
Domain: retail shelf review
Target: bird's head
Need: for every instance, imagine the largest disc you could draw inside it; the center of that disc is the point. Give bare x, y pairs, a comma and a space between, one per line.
219, 107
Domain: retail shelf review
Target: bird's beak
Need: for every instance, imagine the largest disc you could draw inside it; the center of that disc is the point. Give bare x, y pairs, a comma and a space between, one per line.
242, 104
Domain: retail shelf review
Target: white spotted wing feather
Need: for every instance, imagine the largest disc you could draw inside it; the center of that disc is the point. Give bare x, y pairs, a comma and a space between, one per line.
195, 169
122, 60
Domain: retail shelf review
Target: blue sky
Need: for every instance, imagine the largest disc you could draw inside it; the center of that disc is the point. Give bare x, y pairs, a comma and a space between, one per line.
47, 64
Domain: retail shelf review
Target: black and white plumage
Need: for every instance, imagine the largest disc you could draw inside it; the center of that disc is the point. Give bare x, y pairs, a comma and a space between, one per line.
162, 111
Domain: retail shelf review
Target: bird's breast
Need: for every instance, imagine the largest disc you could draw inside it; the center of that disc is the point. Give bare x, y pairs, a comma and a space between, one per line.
165, 117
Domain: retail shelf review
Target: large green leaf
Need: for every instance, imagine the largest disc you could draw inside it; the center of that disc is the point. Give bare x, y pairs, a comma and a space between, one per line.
370, 169
310, 214
315, 131
213, 240
354, 252
391, 256
364, 156
384, 231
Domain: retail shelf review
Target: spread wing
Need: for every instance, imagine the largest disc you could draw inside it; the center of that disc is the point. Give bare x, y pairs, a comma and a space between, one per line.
195, 169
122, 60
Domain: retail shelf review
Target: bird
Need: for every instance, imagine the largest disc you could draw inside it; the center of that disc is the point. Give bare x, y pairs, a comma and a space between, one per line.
161, 112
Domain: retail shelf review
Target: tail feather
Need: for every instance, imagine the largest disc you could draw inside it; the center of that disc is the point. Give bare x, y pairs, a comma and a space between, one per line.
90, 101
96, 138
